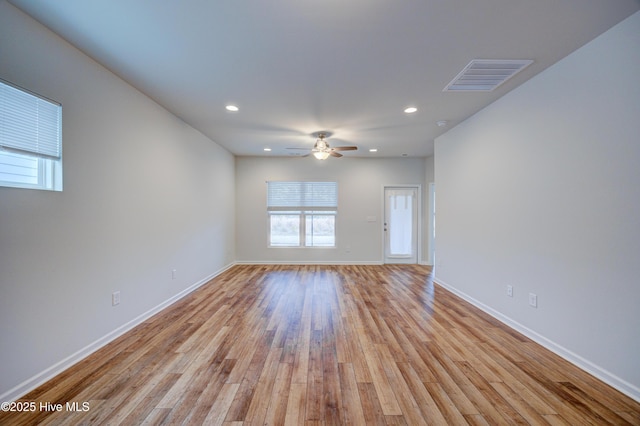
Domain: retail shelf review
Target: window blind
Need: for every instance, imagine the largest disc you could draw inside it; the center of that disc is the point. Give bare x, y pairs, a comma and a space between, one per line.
302, 195
29, 124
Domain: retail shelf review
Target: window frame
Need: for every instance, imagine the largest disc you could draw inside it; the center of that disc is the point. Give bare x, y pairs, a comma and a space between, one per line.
303, 216
303, 213
48, 172
49, 160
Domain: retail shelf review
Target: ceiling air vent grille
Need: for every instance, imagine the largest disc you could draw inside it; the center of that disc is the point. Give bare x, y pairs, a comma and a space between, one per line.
484, 75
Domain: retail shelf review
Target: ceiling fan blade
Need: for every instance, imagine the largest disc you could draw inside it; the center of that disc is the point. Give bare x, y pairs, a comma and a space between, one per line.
335, 154
345, 148
305, 149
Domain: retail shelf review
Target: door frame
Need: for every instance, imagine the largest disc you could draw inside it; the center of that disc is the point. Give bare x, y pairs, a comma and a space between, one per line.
419, 224
431, 226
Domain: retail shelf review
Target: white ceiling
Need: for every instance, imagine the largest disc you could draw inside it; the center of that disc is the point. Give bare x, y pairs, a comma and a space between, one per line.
295, 67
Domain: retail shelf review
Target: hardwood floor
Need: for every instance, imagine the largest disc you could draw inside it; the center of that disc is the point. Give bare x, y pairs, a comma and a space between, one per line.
296, 345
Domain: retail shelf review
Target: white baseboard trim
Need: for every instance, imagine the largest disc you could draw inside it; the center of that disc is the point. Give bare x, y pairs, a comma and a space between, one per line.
614, 381
46, 375
306, 262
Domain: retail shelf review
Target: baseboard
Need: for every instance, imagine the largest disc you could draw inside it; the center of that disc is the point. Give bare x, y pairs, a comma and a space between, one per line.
614, 381
306, 262
42, 377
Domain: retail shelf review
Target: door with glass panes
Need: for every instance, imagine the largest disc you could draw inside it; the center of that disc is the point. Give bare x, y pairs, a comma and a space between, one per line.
400, 224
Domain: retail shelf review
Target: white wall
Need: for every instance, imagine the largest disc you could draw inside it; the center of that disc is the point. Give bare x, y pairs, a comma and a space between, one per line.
143, 194
541, 190
360, 183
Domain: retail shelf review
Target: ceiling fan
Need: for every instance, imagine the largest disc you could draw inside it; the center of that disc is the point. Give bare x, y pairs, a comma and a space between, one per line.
321, 150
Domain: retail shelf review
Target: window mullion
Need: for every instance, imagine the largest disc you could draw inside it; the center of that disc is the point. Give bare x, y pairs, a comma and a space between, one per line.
41, 172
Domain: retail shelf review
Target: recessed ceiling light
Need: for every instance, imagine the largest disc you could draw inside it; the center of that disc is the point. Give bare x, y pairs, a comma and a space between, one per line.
232, 108
410, 110
373, 150
267, 149
442, 123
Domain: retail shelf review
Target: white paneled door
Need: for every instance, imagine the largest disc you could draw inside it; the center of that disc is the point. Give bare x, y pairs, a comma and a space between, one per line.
400, 225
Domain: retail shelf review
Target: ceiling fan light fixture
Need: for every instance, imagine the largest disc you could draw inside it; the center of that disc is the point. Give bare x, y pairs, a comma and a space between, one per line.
321, 155
321, 150
321, 145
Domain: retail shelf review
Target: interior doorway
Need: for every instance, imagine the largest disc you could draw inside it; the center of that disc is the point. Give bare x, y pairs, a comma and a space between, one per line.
401, 224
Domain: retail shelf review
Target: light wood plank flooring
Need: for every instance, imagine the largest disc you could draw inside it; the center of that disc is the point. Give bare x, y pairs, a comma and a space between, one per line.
325, 345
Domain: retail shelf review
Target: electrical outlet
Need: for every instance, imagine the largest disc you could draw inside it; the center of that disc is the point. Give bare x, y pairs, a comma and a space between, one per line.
510, 290
174, 274
115, 298
533, 300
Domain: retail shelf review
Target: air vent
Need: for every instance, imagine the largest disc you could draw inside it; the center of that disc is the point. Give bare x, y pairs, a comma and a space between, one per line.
484, 75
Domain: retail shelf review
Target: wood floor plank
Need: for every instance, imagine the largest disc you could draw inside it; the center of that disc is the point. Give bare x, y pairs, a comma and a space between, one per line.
295, 414
245, 353
426, 404
315, 379
356, 355
351, 403
259, 405
449, 379
386, 396
519, 404
277, 409
406, 400
321, 345
246, 391
371, 407
332, 393
220, 407
195, 368
214, 384
556, 420
446, 406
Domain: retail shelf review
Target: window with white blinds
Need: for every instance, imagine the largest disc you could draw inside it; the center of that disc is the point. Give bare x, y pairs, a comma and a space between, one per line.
302, 195
302, 214
30, 140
